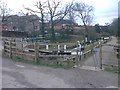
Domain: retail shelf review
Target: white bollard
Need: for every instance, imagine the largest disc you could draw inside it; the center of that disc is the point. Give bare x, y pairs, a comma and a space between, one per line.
65, 47
90, 41
58, 47
86, 39
47, 47
99, 42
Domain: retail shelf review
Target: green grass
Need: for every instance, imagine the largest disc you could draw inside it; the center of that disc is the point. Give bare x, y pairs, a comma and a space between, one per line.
56, 63
67, 39
20, 59
48, 63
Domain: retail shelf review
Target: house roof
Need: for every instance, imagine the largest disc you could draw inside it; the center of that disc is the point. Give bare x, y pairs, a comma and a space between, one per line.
66, 21
14, 34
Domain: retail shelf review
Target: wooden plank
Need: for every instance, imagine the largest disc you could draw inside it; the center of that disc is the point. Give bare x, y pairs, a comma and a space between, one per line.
56, 55
86, 52
24, 54
7, 45
13, 47
13, 42
7, 41
7, 50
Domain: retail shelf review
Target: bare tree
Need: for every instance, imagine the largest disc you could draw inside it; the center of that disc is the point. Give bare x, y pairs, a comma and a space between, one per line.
114, 26
84, 12
4, 11
41, 10
56, 14
71, 14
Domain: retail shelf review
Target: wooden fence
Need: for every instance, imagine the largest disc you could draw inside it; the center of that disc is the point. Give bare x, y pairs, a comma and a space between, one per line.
14, 50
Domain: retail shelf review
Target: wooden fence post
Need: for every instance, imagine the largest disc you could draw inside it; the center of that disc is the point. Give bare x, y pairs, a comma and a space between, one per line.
77, 53
10, 48
4, 47
100, 56
36, 52
22, 49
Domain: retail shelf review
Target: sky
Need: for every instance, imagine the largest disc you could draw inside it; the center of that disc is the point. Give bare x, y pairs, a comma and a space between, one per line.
104, 10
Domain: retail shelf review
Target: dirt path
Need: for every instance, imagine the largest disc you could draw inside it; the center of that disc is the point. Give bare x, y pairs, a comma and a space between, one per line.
20, 75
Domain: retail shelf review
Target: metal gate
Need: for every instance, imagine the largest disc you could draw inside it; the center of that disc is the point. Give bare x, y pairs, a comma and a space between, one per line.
103, 57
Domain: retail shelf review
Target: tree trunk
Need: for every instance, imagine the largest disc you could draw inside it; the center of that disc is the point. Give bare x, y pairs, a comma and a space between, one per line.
43, 30
86, 29
3, 17
52, 30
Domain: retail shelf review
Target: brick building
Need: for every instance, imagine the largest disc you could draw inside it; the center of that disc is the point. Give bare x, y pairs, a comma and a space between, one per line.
26, 23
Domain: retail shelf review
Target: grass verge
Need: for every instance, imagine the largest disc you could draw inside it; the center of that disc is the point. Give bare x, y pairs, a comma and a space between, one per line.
48, 63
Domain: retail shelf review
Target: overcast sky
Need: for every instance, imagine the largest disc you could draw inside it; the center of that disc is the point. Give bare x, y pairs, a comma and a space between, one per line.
104, 10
